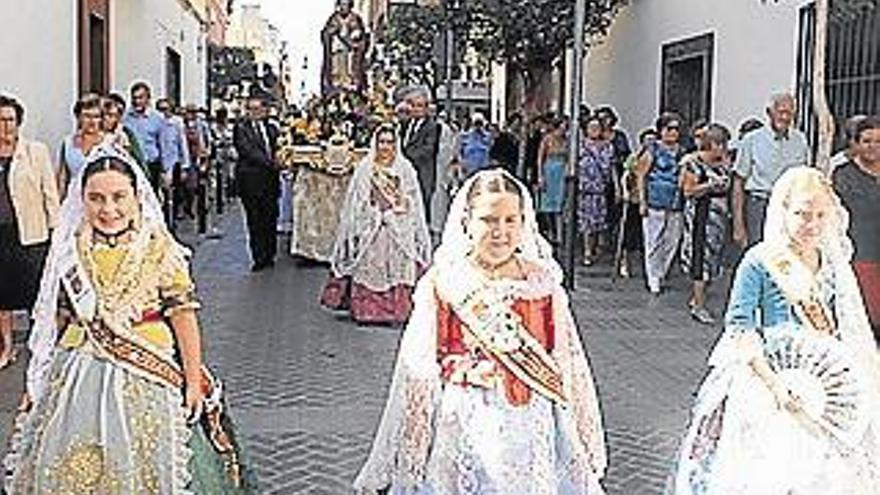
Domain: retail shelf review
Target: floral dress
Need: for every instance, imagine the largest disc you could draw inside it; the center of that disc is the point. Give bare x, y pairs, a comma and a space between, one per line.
594, 174
106, 424
706, 222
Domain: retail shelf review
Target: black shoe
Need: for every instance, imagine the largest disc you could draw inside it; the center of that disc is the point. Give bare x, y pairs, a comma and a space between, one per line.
262, 265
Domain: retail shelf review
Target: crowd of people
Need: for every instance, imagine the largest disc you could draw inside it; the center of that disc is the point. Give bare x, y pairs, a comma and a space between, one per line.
492, 392
691, 197
454, 234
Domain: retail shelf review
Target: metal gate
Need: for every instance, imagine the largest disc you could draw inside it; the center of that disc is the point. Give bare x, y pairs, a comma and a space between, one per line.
853, 71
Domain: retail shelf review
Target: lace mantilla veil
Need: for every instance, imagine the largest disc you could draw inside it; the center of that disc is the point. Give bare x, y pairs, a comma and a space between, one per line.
402, 444
63, 253
359, 222
837, 250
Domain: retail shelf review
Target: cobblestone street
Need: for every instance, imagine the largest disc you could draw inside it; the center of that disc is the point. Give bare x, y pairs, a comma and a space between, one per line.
307, 388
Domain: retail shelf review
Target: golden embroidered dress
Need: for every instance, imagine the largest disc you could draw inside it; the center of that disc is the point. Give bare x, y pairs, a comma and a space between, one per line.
107, 415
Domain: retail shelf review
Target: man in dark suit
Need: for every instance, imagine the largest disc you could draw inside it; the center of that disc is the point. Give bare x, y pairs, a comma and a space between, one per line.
258, 181
421, 141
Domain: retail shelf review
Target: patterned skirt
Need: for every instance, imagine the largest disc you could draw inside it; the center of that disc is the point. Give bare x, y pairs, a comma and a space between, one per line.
705, 235
100, 428
592, 213
379, 289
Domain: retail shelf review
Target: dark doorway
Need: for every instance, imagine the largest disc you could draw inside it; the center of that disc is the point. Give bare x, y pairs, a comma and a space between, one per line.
686, 86
172, 76
97, 42
93, 46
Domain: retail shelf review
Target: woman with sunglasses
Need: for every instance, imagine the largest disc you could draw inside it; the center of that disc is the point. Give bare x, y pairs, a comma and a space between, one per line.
660, 199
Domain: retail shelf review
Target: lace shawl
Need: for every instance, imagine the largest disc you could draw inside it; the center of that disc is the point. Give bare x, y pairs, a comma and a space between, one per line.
360, 219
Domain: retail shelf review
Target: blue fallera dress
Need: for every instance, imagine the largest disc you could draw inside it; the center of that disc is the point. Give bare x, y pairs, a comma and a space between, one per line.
740, 441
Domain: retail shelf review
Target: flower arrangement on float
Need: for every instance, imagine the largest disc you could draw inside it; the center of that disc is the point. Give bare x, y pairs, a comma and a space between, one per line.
329, 130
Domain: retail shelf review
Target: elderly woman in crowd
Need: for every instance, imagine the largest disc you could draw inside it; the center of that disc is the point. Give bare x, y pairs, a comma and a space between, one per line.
705, 181
657, 176
28, 210
595, 174
630, 226
76, 147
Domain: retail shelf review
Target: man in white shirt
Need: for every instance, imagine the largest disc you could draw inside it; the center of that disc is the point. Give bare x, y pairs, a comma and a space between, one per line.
762, 157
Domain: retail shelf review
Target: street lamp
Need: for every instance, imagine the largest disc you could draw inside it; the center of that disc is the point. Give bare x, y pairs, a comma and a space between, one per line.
449, 7
571, 183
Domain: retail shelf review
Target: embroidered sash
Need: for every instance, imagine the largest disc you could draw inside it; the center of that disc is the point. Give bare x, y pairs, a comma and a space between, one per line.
489, 318
799, 287
387, 187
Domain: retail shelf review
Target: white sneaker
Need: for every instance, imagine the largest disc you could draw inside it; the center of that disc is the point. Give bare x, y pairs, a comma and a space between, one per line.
702, 315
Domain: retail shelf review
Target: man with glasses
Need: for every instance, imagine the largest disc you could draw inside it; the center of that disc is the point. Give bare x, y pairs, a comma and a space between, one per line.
762, 157
858, 185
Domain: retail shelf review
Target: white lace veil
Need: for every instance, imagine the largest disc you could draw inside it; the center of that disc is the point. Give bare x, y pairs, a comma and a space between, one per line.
455, 244
63, 251
837, 251
359, 221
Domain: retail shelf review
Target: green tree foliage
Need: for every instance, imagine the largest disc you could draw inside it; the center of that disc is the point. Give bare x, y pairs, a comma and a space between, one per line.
527, 35
532, 33
230, 66
411, 36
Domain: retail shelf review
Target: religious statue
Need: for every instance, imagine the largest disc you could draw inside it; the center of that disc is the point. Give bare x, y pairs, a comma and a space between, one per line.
346, 43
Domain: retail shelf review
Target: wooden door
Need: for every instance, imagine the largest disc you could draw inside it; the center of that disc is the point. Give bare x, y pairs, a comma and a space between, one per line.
94, 46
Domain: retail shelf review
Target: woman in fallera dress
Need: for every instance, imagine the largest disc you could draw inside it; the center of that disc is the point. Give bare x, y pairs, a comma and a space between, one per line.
492, 392
117, 400
790, 406
383, 243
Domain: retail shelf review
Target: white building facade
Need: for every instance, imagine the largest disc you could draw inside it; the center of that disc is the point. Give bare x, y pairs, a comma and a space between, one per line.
39, 64
713, 59
721, 60
162, 42
55, 50
249, 28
